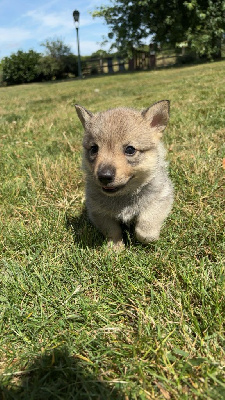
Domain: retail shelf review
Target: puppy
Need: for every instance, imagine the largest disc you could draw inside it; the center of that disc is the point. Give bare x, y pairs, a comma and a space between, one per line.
126, 175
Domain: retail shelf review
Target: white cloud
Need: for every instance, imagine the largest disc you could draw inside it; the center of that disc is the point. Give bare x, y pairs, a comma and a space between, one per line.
50, 20
12, 40
57, 19
8, 35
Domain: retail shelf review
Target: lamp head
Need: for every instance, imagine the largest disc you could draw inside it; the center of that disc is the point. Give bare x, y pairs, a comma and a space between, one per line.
76, 16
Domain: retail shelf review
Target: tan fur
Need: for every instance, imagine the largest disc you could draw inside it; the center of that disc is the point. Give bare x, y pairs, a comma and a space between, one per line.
124, 187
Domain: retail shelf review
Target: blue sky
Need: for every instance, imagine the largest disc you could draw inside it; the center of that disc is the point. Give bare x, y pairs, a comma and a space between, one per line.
25, 25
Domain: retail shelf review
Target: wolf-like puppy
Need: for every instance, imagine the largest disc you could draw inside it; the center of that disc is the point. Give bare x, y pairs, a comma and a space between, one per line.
126, 176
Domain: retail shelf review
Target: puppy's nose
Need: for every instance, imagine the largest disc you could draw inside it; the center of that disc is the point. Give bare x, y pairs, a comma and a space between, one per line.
106, 174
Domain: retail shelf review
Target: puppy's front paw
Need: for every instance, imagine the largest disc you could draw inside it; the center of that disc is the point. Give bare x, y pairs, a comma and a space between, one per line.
146, 237
116, 246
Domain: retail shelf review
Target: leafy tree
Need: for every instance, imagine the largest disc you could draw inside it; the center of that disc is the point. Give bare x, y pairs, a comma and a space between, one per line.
1, 72
21, 67
100, 54
58, 61
48, 68
56, 48
206, 32
200, 23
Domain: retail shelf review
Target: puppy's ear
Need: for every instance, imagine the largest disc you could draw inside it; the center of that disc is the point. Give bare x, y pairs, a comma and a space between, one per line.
83, 114
158, 115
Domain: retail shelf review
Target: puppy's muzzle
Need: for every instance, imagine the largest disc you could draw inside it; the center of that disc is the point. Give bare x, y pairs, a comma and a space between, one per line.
106, 174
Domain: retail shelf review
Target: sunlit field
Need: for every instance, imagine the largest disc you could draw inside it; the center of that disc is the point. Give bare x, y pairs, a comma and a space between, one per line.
79, 321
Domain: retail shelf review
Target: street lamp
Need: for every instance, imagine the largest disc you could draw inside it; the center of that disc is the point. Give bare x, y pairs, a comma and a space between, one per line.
76, 15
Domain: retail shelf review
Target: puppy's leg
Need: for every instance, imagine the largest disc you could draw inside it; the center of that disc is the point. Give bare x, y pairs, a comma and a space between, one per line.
149, 221
110, 228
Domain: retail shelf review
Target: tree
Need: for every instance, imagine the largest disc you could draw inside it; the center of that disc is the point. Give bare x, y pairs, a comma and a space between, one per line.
21, 67
48, 68
58, 60
24, 67
200, 23
100, 54
206, 33
56, 48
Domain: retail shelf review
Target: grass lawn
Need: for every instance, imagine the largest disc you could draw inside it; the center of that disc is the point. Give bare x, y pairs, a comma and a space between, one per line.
79, 322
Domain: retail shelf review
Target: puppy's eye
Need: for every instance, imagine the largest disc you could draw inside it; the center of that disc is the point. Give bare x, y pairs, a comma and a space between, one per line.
93, 150
130, 151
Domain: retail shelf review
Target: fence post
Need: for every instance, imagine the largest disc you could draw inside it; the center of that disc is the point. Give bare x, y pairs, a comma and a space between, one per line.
131, 64
101, 65
152, 57
110, 66
121, 64
152, 60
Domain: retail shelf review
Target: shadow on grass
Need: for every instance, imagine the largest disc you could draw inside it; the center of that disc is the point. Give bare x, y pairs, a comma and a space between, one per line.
86, 235
57, 376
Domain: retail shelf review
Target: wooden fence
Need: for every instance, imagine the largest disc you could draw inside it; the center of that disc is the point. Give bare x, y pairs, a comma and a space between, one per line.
140, 61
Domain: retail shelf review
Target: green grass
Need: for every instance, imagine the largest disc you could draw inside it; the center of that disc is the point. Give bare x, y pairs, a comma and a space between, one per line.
79, 322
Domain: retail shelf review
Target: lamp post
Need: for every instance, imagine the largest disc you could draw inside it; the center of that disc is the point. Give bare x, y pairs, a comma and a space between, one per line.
76, 15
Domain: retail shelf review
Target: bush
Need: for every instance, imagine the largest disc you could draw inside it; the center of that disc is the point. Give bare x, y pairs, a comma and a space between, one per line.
94, 70
21, 67
53, 68
59, 59
48, 68
1, 73
70, 65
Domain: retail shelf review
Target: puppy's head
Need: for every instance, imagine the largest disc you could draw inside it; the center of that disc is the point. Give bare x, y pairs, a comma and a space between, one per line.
121, 145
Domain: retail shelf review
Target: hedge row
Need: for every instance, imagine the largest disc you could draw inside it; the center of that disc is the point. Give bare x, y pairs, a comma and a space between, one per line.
24, 67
